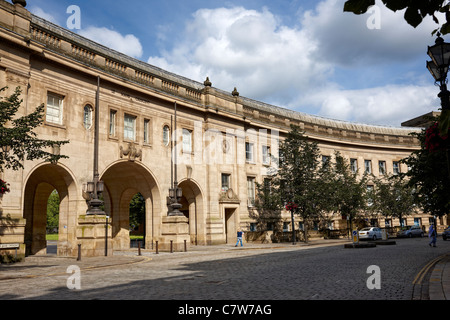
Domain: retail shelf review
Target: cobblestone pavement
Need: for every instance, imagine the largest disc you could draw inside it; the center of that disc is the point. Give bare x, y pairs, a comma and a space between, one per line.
322, 270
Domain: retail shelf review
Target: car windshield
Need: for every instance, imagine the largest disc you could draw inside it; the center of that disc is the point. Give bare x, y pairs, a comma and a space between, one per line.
406, 228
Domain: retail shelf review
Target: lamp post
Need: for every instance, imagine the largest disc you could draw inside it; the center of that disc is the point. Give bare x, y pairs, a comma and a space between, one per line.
175, 192
438, 67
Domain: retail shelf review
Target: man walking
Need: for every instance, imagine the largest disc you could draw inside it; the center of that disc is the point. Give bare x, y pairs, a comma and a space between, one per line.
432, 235
239, 237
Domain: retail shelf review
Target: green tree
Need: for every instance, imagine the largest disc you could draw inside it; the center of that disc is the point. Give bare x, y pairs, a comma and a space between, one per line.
137, 211
415, 10
299, 181
429, 175
393, 197
53, 210
17, 135
350, 196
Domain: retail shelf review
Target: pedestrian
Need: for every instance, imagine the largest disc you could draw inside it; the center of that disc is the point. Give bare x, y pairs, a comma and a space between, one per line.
239, 237
432, 235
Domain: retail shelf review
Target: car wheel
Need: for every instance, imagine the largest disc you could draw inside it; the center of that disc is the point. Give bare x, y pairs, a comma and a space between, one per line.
410, 235
374, 237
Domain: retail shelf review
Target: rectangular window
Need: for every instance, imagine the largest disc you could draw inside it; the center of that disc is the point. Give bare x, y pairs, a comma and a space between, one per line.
370, 190
266, 155
129, 129
146, 131
325, 160
187, 141
226, 182
249, 152
251, 191
382, 167
112, 122
354, 165
54, 113
396, 167
368, 166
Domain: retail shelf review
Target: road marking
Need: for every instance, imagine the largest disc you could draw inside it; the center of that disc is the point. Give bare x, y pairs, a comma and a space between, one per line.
418, 279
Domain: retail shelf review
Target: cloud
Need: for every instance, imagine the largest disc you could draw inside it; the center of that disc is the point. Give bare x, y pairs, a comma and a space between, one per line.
329, 63
128, 44
44, 15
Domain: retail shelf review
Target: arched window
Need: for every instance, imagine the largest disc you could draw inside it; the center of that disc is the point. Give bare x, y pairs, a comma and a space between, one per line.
87, 117
166, 135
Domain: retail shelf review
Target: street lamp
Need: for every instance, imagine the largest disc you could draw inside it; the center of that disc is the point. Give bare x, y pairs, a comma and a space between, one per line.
438, 67
175, 193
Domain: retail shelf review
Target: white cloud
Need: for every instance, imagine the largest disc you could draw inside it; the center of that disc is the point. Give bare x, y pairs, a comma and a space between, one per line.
128, 44
295, 66
44, 15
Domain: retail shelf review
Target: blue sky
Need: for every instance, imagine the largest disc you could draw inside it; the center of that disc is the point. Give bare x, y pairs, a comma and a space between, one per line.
308, 56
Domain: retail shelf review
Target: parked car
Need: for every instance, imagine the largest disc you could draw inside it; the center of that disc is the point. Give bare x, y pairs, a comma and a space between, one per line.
370, 233
410, 231
446, 234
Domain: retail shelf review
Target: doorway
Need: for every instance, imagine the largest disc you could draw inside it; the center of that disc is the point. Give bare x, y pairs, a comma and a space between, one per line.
230, 225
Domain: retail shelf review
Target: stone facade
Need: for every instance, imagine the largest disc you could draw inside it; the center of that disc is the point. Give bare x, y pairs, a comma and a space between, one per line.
222, 143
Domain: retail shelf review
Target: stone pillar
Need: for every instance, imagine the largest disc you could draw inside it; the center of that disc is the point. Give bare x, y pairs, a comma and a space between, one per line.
91, 232
175, 229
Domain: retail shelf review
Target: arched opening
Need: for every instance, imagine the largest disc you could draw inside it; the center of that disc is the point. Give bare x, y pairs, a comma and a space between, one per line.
123, 181
137, 221
193, 209
43, 183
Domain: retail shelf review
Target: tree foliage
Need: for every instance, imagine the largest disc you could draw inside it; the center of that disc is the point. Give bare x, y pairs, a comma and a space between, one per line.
393, 197
429, 174
415, 10
18, 135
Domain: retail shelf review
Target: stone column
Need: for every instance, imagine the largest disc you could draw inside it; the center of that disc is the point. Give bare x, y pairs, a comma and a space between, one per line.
91, 232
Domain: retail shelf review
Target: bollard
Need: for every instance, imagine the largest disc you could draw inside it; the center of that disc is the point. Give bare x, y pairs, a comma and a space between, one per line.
139, 248
185, 246
171, 246
79, 252
157, 252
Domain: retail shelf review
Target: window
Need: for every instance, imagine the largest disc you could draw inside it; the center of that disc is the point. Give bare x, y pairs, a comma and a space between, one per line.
146, 131
251, 191
112, 123
325, 160
249, 152
354, 165
368, 166
87, 117
54, 113
129, 128
396, 167
187, 141
370, 190
382, 167
166, 135
266, 155
226, 182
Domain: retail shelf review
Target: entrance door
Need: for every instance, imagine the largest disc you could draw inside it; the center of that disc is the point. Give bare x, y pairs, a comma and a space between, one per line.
230, 225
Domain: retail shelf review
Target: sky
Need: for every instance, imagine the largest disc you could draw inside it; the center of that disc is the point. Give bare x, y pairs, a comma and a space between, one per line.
308, 56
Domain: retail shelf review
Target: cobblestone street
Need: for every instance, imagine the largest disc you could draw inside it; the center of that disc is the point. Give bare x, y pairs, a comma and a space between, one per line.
323, 271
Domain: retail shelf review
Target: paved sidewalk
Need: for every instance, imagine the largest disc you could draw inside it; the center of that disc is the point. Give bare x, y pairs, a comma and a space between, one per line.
436, 275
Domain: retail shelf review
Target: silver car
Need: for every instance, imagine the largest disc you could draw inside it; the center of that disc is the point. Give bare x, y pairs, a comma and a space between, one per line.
410, 231
446, 234
370, 233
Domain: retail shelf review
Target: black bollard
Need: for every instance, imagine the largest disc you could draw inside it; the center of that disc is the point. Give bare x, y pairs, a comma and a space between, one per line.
157, 252
185, 246
171, 246
139, 248
79, 252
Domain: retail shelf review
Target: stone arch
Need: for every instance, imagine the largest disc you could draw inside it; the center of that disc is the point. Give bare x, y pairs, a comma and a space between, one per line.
123, 179
42, 180
193, 207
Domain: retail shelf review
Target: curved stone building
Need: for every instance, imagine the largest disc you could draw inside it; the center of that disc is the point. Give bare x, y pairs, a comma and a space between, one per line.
223, 143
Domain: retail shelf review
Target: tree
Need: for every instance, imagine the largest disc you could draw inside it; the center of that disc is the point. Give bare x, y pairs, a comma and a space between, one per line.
429, 173
17, 135
137, 211
393, 197
53, 210
299, 182
350, 190
415, 10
